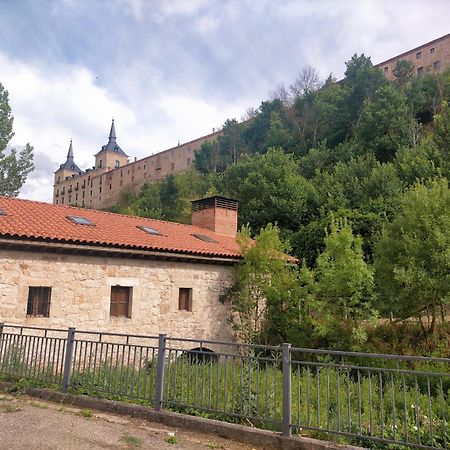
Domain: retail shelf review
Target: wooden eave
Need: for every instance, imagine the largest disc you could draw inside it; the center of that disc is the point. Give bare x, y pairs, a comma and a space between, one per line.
74, 248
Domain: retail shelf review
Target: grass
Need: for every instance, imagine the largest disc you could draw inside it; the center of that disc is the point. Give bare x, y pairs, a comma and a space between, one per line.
172, 439
38, 405
132, 441
85, 413
214, 445
9, 407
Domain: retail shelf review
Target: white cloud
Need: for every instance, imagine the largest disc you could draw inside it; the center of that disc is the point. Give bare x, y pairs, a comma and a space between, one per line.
54, 104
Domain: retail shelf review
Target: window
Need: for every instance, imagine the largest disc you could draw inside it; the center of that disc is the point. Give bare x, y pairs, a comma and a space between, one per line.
39, 301
172, 167
149, 230
386, 69
204, 238
420, 71
432, 50
436, 65
2, 212
418, 55
81, 220
120, 301
185, 299
100, 163
117, 164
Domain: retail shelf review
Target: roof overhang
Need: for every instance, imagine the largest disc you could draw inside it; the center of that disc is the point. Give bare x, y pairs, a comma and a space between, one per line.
14, 243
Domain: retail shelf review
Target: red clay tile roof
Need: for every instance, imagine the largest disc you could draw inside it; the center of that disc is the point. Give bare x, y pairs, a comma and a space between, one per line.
28, 219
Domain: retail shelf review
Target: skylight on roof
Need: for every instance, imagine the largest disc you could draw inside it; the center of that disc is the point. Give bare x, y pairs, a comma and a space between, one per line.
2, 212
204, 238
149, 230
81, 221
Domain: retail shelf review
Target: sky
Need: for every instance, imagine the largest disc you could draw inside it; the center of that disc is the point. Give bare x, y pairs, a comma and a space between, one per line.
172, 70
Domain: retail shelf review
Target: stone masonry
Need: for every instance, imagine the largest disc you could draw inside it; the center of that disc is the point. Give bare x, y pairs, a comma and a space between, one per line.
81, 290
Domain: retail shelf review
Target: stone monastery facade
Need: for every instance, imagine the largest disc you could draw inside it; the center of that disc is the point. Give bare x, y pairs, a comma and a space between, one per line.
101, 186
432, 57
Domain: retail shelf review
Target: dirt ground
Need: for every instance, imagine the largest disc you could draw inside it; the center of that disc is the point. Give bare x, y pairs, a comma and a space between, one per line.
26, 423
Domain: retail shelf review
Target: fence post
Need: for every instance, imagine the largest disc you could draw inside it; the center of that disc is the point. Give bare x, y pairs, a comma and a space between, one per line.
287, 398
1, 341
160, 372
68, 358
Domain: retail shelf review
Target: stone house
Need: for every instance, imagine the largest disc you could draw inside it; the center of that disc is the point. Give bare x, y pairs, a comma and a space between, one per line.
62, 266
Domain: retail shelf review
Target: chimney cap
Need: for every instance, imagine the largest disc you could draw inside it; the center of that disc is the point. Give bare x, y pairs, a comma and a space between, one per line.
215, 201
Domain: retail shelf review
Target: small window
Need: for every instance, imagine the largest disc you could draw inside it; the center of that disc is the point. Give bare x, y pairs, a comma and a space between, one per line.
81, 221
120, 301
436, 65
185, 299
420, 71
418, 55
172, 167
2, 212
386, 69
39, 301
149, 230
117, 164
204, 238
100, 163
432, 50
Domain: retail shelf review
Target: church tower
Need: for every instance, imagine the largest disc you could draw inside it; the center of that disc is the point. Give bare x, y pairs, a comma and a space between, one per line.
69, 168
111, 156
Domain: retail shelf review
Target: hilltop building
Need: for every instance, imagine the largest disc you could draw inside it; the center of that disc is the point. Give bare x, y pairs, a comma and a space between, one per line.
102, 185
432, 57
62, 266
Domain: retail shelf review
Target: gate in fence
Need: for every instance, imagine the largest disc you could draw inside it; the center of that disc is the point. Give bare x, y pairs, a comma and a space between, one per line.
350, 397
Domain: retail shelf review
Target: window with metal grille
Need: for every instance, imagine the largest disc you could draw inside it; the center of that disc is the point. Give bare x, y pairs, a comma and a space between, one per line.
39, 301
185, 299
120, 301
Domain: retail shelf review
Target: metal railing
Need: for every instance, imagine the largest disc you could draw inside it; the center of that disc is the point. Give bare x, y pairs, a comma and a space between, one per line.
359, 398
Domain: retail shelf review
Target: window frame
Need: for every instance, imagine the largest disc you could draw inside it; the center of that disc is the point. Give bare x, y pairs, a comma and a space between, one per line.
185, 299
114, 302
38, 305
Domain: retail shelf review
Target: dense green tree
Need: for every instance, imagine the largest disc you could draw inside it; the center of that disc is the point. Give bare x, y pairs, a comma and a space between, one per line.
403, 71
382, 127
270, 190
344, 282
14, 166
412, 257
264, 296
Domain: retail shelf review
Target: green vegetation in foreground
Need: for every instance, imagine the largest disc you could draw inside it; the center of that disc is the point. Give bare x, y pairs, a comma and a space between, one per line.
392, 404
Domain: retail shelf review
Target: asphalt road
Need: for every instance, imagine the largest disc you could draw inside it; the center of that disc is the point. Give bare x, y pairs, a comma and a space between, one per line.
26, 423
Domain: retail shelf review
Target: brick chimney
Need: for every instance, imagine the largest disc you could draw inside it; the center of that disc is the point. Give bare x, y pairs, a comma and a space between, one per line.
218, 214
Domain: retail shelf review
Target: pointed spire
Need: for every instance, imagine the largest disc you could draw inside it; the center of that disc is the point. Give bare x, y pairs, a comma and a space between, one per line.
70, 163
70, 153
112, 133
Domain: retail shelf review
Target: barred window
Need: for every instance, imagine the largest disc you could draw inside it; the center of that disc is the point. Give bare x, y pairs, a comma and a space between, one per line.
185, 299
120, 301
39, 301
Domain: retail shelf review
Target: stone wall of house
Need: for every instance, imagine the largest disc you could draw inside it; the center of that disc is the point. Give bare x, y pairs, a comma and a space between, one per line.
81, 290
